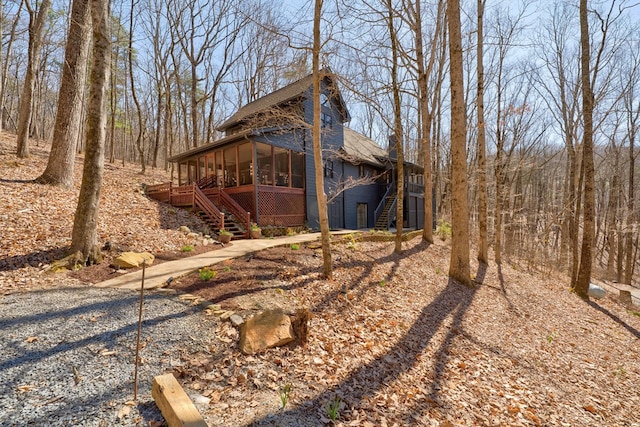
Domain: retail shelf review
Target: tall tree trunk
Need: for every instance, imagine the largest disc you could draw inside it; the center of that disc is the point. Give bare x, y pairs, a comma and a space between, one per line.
134, 94
586, 253
612, 229
459, 268
59, 170
327, 267
483, 247
630, 222
425, 114
84, 235
397, 128
37, 21
5, 66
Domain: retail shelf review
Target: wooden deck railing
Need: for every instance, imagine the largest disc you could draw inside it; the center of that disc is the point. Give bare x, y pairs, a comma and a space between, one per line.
160, 192
207, 200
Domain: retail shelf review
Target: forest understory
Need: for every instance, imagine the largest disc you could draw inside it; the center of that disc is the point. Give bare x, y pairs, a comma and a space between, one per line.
392, 340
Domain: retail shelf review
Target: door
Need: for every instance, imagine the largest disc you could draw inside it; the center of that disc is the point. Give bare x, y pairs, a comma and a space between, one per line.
362, 215
336, 219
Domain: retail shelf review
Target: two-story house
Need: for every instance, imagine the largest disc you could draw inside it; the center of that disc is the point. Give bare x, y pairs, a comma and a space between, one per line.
264, 165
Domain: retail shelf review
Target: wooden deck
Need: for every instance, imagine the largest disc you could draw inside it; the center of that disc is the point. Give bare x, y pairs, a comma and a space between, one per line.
271, 206
212, 201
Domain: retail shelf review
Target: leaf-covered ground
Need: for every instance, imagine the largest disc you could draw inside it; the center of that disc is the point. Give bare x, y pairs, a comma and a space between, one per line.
392, 340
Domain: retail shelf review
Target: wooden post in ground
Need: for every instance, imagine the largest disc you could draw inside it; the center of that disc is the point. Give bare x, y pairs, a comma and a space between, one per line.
176, 407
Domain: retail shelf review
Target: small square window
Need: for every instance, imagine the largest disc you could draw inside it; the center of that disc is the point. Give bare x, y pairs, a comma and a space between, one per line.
326, 121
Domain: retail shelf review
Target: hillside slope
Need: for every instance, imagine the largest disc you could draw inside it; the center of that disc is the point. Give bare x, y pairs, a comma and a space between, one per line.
36, 220
391, 337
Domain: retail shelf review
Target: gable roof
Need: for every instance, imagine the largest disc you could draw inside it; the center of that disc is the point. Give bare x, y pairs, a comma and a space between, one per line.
280, 96
359, 148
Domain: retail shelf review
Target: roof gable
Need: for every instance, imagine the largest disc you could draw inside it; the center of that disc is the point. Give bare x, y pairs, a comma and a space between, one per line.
359, 148
297, 89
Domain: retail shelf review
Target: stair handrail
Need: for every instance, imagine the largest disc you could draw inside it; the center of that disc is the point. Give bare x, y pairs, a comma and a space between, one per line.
235, 209
207, 182
201, 201
380, 209
392, 208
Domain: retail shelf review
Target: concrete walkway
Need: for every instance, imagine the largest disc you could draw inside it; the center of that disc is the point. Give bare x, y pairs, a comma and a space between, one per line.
157, 275
615, 288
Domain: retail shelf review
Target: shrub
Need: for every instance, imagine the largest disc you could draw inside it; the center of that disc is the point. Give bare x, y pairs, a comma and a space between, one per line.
206, 273
295, 246
443, 230
187, 248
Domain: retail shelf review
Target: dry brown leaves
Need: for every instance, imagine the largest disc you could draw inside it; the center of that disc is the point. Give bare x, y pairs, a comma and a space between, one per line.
398, 344
36, 220
392, 341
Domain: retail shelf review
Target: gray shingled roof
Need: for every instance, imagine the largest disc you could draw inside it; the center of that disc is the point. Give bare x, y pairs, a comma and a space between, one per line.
284, 94
359, 148
278, 97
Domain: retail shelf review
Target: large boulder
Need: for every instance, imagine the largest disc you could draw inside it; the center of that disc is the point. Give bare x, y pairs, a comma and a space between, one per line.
270, 328
132, 259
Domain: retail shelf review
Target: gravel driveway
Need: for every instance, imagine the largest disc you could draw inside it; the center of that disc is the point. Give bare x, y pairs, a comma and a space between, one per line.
67, 354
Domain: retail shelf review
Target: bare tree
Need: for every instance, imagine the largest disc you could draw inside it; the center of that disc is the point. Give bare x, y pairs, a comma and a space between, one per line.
426, 98
85, 225
60, 166
37, 21
327, 267
581, 286
134, 93
397, 124
483, 244
459, 268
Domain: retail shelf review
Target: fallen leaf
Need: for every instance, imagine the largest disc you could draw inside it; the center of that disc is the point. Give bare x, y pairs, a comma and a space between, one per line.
25, 388
590, 408
124, 411
31, 339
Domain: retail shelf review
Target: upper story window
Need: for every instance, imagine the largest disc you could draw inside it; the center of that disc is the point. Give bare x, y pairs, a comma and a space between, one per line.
324, 100
326, 121
362, 171
328, 168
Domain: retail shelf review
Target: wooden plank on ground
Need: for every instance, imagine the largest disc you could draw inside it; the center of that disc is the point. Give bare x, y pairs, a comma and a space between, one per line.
176, 407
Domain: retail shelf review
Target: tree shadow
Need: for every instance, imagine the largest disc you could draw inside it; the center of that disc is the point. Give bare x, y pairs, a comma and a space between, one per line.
107, 336
33, 259
366, 381
633, 331
357, 283
501, 279
18, 181
481, 273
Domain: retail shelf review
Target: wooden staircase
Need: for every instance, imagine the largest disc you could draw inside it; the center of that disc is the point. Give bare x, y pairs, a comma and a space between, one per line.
210, 202
382, 223
231, 224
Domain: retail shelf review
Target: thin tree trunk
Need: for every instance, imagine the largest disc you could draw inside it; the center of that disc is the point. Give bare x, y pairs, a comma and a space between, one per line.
327, 266
397, 130
483, 246
629, 261
134, 94
586, 253
36, 29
